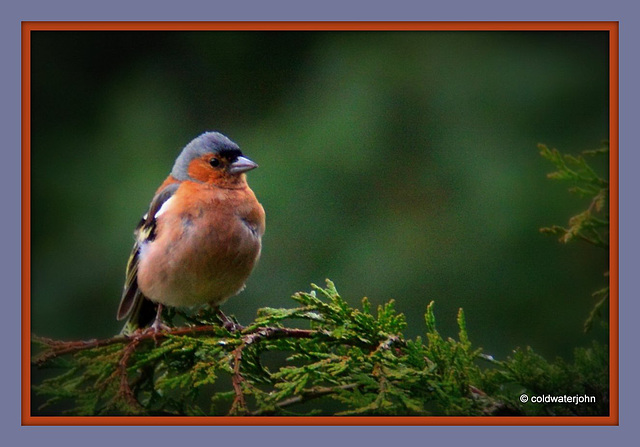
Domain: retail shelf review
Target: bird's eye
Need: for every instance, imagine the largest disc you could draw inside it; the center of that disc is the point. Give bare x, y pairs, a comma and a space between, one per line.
214, 162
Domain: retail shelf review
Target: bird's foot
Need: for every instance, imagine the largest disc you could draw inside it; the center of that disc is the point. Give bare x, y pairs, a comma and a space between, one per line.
157, 326
228, 323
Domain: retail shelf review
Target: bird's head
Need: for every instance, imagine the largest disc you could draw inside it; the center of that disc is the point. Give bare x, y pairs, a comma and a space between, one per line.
214, 159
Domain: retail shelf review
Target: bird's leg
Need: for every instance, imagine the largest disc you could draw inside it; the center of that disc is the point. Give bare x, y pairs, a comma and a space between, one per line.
158, 325
227, 322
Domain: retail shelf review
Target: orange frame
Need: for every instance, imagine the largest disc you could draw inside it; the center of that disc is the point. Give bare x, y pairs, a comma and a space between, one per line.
27, 27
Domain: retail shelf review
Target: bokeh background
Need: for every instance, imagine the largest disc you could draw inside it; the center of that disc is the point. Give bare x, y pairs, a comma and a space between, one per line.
399, 164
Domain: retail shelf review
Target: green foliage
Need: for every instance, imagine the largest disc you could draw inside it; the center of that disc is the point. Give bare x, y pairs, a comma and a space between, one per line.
586, 376
350, 361
591, 225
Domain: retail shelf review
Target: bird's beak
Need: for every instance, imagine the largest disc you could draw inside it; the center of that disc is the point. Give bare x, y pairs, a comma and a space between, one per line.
242, 164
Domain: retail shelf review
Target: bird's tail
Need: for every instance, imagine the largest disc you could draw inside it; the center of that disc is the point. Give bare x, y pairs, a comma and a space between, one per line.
142, 315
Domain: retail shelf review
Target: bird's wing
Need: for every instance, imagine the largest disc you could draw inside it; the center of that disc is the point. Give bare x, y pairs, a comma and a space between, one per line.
132, 298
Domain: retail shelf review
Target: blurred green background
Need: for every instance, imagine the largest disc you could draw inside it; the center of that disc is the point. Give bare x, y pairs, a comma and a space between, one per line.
399, 164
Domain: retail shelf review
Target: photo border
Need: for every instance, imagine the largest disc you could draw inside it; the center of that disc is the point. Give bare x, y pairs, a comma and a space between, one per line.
612, 27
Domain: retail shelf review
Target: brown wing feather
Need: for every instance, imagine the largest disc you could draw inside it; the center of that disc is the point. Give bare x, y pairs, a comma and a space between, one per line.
132, 298
131, 292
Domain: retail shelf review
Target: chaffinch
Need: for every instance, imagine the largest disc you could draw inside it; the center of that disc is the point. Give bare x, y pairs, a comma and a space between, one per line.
199, 240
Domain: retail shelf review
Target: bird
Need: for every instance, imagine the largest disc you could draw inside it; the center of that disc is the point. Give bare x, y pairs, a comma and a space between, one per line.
200, 238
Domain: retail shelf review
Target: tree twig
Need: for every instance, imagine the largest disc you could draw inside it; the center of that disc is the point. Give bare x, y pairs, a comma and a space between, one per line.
262, 333
307, 395
124, 391
58, 348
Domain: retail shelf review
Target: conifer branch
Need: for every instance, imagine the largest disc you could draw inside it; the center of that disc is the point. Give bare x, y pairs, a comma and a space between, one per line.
350, 361
591, 225
306, 396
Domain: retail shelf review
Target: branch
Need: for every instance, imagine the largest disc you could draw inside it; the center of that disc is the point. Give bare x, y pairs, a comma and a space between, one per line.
59, 348
262, 333
307, 395
355, 358
124, 391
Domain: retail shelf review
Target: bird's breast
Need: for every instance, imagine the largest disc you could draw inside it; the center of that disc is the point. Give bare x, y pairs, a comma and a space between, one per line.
203, 254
